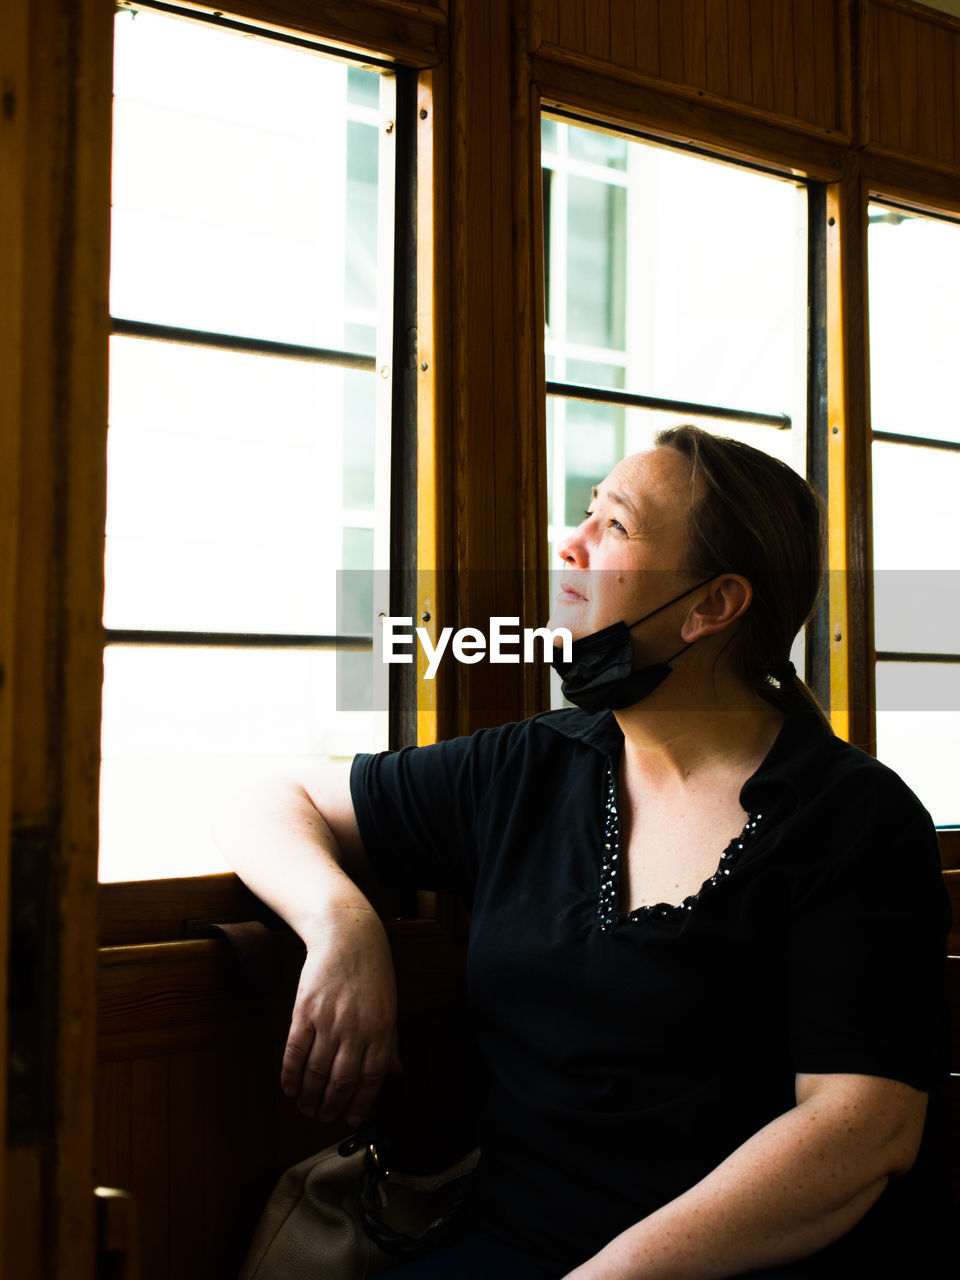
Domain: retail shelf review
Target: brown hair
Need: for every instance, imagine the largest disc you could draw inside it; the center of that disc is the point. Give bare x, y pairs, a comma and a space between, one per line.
758, 517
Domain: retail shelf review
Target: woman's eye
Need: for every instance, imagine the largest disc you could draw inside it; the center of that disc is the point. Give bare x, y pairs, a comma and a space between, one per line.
611, 523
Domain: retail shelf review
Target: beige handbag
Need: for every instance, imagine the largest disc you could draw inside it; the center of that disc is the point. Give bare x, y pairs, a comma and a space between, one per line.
341, 1215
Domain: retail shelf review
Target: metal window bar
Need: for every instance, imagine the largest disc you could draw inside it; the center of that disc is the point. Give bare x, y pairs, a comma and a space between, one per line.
922, 442
237, 640
631, 400
888, 655
234, 342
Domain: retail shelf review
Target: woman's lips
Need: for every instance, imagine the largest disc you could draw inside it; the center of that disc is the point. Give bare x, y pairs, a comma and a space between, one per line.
569, 596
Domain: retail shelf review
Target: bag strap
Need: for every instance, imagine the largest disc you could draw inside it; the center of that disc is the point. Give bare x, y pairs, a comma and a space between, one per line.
373, 1196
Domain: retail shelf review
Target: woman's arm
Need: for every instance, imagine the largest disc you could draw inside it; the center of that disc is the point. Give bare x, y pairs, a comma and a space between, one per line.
792, 1189
294, 846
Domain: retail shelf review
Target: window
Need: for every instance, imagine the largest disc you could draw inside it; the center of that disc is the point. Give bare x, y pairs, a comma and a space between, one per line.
249, 437
914, 282
676, 292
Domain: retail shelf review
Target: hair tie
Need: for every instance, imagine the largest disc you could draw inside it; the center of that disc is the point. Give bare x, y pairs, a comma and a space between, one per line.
783, 675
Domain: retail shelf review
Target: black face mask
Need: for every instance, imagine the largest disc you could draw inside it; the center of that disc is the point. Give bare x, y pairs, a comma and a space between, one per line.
600, 675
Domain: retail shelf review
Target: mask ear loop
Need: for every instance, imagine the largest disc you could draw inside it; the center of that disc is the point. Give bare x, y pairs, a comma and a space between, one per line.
660, 608
679, 651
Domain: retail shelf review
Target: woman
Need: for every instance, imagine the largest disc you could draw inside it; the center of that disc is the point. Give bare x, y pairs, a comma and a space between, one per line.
706, 935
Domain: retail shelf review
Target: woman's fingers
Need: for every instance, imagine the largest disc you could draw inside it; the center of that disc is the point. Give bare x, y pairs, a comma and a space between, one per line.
376, 1063
329, 1077
295, 1057
342, 1039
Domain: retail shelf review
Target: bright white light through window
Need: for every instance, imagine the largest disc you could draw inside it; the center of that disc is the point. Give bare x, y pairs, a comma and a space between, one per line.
673, 276
249, 200
914, 279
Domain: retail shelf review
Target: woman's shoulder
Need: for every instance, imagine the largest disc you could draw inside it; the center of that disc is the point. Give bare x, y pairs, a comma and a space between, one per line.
819, 770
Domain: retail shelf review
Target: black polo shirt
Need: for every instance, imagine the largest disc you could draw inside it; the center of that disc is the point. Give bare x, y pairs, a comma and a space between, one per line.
629, 1055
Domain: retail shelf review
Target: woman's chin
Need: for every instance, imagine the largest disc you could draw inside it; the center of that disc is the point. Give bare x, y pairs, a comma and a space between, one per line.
565, 616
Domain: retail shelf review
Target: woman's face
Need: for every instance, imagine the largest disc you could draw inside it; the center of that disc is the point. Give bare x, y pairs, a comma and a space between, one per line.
626, 557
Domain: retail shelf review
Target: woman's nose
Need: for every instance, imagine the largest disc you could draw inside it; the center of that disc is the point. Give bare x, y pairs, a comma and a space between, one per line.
572, 549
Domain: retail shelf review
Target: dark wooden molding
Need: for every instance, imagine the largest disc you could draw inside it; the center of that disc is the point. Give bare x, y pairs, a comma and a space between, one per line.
408, 32
624, 99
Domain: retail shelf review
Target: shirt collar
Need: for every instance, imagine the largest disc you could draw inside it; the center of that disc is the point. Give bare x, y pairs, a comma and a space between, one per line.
791, 766
794, 762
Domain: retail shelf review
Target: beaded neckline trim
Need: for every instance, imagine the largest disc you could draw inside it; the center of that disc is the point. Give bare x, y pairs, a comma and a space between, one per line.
607, 914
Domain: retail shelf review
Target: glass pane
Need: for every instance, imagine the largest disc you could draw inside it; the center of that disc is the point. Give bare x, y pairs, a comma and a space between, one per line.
244, 194
585, 441
593, 444
363, 145
597, 147
914, 324
246, 200
363, 88
918, 731
916, 546
181, 724
696, 269
228, 479
588, 373
595, 263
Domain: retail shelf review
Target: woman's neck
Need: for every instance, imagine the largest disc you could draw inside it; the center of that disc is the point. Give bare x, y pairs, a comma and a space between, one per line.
694, 729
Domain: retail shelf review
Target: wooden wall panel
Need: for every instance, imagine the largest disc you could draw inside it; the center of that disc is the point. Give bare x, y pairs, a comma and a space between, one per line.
886, 103
914, 82
945, 105
784, 68
189, 1113
646, 36
718, 48
825, 37
151, 1169
573, 24
598, 24
907, 50
768, 55
622, 33
761, 45
695, 40
670, 40
926, 89
549, 19
805, 82
740, 40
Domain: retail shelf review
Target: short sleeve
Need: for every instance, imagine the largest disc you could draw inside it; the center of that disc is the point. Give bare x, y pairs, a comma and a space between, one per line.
417, 808
867, 945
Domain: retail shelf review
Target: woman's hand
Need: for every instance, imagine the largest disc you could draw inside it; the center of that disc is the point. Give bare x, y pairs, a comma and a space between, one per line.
342, 1040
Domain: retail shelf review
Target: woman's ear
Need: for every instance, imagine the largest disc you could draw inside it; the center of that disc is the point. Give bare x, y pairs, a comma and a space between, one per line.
721, 603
